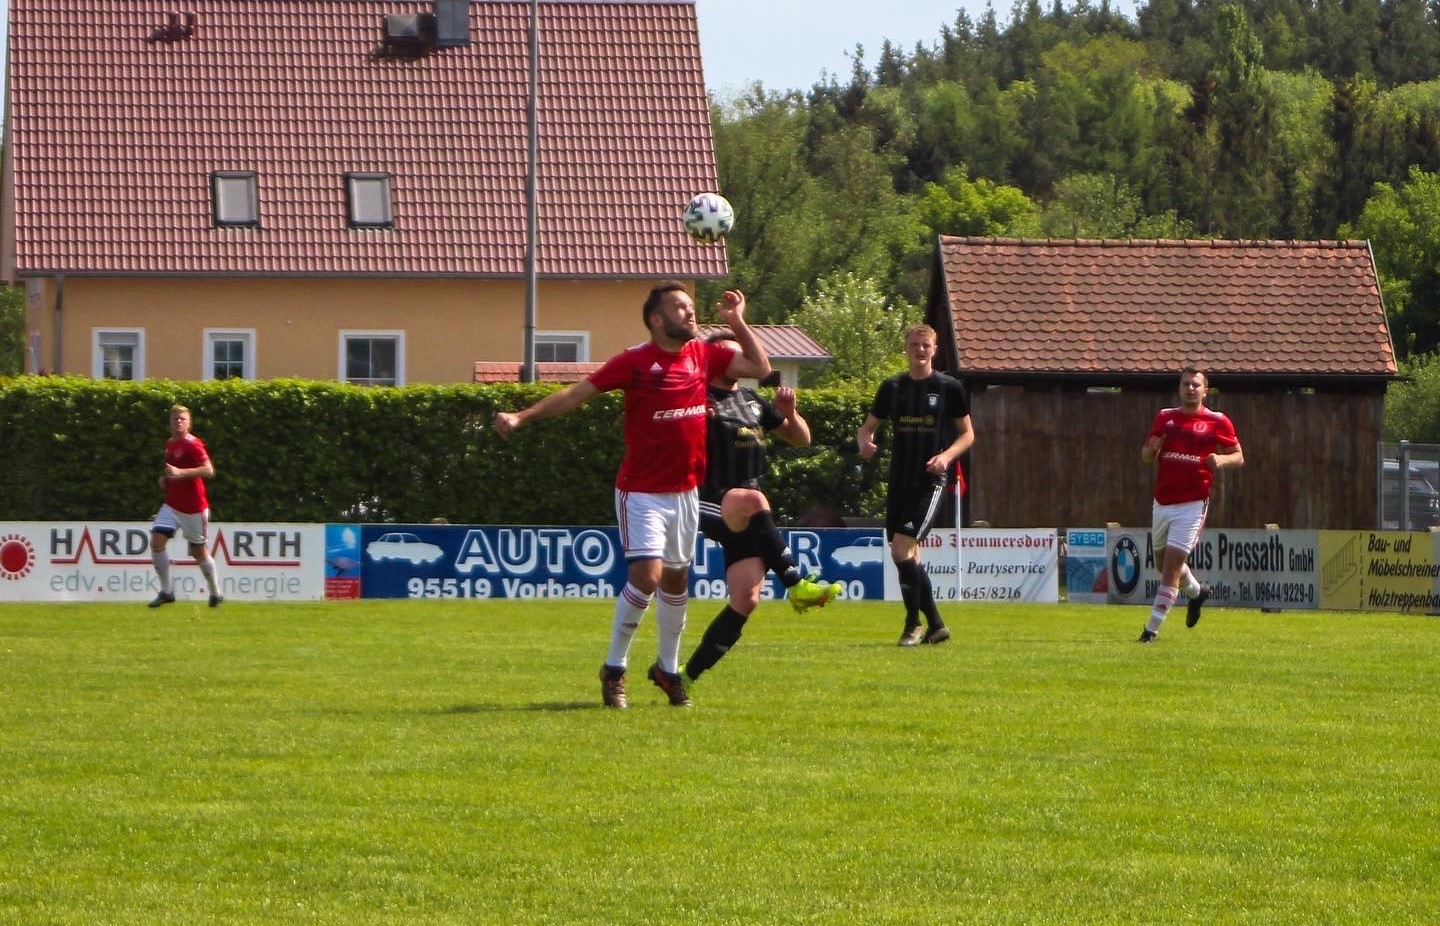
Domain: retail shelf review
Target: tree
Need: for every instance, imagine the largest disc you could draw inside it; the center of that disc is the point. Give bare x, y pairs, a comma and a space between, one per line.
958, 205
1104, 206
1403, 226
861, 328
1412, 405
12, 330
779, 228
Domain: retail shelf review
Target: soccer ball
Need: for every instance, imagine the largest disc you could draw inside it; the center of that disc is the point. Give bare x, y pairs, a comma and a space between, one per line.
709, 217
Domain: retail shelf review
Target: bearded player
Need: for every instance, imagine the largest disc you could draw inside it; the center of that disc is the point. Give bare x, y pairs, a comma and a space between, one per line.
657, 496
1188, 444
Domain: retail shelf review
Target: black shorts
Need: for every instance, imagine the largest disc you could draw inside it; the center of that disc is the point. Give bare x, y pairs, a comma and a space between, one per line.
735, 546
912, 510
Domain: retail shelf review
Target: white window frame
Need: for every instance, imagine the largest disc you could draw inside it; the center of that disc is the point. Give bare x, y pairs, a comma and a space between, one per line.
397, 336
207, 347
100, 337
581, 340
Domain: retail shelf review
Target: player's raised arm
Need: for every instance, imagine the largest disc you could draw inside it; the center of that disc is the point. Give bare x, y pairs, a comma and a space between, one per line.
751, 361
795, 430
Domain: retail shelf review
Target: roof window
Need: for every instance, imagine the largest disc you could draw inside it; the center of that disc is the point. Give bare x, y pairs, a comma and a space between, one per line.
367, 197
235, 199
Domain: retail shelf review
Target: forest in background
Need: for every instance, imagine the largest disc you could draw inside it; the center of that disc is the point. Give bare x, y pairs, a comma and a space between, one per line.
1271, 119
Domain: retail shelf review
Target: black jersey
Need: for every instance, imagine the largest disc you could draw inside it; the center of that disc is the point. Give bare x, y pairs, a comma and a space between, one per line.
735, 440
922, 413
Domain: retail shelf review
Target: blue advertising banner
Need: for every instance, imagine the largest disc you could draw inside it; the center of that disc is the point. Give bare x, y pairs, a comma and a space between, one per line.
451, 561
1087, 561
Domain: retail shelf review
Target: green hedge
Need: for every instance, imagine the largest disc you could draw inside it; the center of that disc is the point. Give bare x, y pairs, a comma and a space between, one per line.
300, 450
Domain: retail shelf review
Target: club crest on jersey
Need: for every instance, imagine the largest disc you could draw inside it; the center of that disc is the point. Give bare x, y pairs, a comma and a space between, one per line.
755, 409
1200, 427
932, 400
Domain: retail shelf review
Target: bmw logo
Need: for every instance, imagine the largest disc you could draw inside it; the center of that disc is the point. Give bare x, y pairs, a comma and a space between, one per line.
1125, 565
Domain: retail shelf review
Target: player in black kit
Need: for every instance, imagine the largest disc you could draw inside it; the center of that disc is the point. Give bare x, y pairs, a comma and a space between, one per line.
735, 513
930, 415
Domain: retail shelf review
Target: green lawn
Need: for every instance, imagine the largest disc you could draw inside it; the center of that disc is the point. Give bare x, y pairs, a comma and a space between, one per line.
448, 762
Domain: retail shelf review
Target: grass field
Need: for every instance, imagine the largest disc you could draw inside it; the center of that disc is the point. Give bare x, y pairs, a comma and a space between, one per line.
448, 762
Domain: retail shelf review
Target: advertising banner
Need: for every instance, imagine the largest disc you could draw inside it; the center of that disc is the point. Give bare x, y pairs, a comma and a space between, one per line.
110, 561
1380, 571
995, 564
1087, 566
451, 561
1270, 569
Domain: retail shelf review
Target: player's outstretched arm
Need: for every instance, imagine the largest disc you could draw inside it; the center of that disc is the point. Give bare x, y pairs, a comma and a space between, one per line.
556, 403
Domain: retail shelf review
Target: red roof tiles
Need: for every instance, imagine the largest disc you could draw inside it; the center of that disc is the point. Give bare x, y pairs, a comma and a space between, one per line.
781, 342
508, 371
114, 136
1067, 306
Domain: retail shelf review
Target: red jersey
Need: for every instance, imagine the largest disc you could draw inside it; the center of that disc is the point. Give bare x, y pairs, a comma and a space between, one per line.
186, 496
1182, 475
665, 412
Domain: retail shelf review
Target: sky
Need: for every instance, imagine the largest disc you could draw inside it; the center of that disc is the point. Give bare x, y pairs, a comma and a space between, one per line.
790, 44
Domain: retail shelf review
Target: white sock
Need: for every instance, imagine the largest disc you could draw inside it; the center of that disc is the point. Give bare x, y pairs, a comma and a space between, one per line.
162, 569
670, 618
629, 610
207, 569
1188, 583
1164, 598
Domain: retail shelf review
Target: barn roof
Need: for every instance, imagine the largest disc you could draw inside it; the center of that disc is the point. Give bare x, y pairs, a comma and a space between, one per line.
1067, 307
118, 116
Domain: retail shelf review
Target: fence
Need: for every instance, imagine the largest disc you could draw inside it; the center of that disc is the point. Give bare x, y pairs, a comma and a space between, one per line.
1418, 506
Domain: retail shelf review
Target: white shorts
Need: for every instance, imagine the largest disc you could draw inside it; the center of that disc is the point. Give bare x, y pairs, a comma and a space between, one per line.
1178, 526
659, 525
195, 527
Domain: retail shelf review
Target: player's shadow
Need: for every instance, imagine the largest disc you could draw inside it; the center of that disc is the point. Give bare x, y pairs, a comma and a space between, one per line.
512, 708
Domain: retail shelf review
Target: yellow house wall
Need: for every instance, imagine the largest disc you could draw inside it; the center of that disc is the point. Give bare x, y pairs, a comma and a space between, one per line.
447, 324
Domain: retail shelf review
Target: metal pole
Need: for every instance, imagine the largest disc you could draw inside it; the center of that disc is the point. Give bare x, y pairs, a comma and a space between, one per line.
532, 222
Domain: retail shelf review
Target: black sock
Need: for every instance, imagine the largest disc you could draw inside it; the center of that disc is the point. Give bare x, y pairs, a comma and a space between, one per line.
925, 600
909, 590
771, 546
723, 633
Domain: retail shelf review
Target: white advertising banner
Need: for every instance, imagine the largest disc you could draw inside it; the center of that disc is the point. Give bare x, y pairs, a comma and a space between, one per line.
110, 561
995, 564
1251, 568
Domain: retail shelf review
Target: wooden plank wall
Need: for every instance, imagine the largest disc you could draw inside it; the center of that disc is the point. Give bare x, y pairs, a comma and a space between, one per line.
1067, 458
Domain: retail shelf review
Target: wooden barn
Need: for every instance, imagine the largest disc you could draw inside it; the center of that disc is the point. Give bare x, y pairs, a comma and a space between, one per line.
1069, 347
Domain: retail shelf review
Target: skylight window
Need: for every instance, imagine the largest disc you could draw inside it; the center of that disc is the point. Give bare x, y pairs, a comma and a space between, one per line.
235, 198
367, 196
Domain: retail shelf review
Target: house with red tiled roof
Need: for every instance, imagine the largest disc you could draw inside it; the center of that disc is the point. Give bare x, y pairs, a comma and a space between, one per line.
337, 189
1070, 347
790, 348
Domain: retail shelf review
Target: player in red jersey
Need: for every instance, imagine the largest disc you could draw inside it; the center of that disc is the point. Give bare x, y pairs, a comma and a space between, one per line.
1188, 444
186, 507
656, 491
